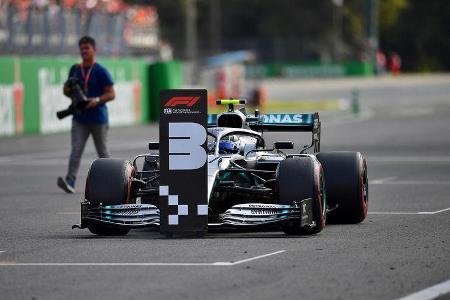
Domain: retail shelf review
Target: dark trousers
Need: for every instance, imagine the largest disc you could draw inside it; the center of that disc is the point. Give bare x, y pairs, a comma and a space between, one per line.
80, 134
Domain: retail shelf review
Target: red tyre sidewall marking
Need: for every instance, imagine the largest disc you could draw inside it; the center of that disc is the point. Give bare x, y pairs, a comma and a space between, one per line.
318, 168
361, 179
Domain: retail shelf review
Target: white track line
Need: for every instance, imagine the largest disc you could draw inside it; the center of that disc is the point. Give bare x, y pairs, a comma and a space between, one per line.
382, 180
2, 252
258, 257
408, 213
411, 182
7, 264
433, 212
409, 159
225, 263
432, 292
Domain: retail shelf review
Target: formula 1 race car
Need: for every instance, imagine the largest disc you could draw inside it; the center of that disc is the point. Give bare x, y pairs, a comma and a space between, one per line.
249, 184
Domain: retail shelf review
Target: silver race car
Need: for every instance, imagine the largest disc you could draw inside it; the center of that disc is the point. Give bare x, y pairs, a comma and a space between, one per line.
250, 184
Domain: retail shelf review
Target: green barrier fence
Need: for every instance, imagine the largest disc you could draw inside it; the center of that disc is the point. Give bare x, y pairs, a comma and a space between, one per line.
11, 97
163, 75
31, 91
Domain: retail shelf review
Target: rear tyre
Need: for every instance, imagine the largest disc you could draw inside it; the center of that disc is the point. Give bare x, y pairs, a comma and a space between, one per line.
347, 185
297, 179
108, 183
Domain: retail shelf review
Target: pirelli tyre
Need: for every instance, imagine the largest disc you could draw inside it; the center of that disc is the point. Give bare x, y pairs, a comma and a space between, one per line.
347, 187
297, 179
108, 183
101, 229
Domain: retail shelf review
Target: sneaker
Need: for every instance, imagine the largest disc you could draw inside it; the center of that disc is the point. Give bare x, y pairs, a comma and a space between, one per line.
66, 185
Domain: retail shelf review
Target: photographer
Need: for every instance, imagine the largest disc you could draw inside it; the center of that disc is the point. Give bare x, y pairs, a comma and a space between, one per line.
97, 85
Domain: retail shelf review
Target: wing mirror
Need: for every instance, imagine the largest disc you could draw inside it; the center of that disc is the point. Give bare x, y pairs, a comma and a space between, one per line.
286, 145
153, 146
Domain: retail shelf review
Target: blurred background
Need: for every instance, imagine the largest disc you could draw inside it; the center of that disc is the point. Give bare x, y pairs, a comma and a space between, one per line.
233, 48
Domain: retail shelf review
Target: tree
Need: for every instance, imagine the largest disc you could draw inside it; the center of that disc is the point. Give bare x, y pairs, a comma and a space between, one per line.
420, 34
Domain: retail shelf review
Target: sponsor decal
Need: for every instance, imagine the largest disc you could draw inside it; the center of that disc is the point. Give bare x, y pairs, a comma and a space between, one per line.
6, 110
264, 211
18, 92
181, 105
287, 119
181, 101
124, 110
265, 206
52, 99
261, 209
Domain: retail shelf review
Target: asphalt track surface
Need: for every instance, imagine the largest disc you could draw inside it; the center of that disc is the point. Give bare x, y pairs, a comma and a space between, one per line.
400, 249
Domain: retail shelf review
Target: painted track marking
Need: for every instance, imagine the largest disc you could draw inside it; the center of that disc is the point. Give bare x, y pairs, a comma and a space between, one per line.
258, 257
429, 293
408, 213
408, 159
382, 180
225, 263
410, 182
393, 180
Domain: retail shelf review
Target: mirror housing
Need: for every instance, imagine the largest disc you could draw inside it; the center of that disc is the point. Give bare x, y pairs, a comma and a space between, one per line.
285, 145
153, 146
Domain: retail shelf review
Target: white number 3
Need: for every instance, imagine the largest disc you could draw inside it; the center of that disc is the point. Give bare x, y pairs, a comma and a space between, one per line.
185, 146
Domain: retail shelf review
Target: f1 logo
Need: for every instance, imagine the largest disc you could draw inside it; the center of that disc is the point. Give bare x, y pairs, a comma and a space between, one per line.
185, 146
187, 101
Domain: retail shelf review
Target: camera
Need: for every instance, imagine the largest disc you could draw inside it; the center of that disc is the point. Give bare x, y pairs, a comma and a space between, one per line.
79, 99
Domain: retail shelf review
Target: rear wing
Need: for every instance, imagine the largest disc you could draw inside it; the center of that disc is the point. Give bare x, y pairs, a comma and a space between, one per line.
290, 123
285, 122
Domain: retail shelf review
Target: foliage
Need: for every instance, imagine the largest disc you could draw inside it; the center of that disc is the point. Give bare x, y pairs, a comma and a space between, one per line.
420, 34
303, 29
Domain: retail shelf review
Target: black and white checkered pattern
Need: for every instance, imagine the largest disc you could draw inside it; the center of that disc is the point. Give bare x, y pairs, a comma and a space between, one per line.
182, 209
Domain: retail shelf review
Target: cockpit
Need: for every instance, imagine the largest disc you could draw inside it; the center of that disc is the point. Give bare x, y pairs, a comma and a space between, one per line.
235, 142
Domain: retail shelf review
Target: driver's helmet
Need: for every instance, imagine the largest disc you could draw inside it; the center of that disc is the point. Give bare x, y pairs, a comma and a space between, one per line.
228, 147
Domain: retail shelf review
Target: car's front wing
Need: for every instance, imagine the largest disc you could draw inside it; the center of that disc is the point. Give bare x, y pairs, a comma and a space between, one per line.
248, 214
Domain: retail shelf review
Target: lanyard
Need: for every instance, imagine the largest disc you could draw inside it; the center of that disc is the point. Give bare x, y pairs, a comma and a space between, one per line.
86, 76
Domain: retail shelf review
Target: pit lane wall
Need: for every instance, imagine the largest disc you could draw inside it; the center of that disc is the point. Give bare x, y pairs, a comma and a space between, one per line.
31, 92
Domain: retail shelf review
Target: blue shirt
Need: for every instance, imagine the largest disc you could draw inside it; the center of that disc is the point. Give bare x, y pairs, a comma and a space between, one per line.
97, 81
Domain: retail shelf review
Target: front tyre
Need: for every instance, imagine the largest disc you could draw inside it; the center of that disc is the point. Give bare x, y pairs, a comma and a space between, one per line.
108, 183
297, 179
101, 229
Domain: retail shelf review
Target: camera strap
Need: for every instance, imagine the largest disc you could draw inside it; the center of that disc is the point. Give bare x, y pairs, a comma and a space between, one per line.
86, 76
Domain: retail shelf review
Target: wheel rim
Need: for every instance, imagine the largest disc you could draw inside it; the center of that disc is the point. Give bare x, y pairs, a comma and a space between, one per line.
364, 189
321, 193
